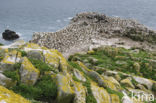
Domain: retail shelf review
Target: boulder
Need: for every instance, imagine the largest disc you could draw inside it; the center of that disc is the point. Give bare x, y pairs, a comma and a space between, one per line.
10, 35
117, 77
100, 94
65, 91
34, 54
7, 96
28, 73
115, 98
7, 82
113, 80
144, 81
127, 82
80, 93
79, 75
9, 60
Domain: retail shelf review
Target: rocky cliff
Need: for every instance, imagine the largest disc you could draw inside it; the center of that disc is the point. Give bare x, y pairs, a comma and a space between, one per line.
86, 29
110, 60
103, 75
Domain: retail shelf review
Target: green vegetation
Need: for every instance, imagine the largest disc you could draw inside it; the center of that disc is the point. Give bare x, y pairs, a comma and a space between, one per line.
153, 101
23, 53
41, 65
27, 91
44, 90
154, 87
89, 98
75, 79
100, 71
134, 82
75, 65
17, 66
122, 76
130, 61
1, 57
120, 94
1, 44
12, 74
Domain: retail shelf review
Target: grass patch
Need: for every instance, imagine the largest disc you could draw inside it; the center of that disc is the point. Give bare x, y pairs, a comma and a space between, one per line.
1, 57
12, 74
75, 65
89, 98
122, 59
75, 79
17, 66
44, 90
41, 65
23, 53
27, 91
110, 91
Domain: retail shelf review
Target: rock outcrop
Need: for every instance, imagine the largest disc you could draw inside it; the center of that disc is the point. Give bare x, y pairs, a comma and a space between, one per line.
7, 96
87, 29
9, 35
47, 77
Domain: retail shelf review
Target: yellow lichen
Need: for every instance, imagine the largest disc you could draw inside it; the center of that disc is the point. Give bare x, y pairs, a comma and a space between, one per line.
28, 65
65, 89
100, 93
110, 84
80, 93
127, 83
91, 52
6, 60
84, 68
8, 96
52, 59
12, 57
33, 46
115, 98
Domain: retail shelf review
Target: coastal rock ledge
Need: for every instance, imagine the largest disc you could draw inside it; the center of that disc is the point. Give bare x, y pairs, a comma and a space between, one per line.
86, 29
103, 75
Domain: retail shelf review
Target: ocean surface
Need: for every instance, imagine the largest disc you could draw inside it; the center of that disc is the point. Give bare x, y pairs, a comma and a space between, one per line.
28, 16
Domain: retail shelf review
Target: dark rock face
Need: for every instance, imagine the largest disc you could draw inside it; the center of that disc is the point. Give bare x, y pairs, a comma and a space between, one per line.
9, 35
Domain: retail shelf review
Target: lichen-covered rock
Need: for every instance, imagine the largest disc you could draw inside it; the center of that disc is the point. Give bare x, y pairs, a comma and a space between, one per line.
9, 60
65, 91
117, 77
127, 82
137, 67
141, 87
79, 75
7, 82
113, 80
28, 73
73, 81
144, 81
101, 95
52, 59
7, 96
80, 93
115, 98
35, 55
